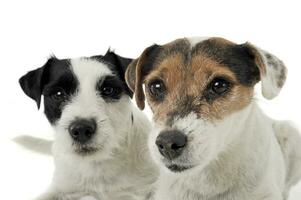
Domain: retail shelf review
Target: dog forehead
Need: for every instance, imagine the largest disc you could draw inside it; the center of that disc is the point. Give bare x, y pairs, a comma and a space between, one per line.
211, 54
87, 70
194, 45
185, 57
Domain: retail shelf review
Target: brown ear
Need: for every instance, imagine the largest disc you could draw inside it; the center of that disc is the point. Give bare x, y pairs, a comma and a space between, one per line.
272, 71
137, 70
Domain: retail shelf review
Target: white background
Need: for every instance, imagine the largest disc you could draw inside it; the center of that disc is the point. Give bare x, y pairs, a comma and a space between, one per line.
32, 30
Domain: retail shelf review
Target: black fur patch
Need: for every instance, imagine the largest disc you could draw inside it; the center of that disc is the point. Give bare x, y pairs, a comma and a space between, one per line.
117, 65
59, 76
32, 83
112, 82
237, 58
159, 53
56, 75
178, 47
150, 63
47, 80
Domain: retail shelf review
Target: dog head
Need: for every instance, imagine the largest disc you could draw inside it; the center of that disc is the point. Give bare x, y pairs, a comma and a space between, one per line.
198, 88
86, 100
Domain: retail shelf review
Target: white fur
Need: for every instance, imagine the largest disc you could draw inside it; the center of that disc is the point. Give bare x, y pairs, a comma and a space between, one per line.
236, 158
290, 142
121, 169
195, 40
269, 79
88, 198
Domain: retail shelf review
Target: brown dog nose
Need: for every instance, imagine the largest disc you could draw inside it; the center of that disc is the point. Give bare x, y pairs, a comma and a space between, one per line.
171, 143
82, 130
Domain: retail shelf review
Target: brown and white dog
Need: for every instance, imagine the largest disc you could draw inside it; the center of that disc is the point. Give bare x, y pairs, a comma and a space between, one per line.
211, 139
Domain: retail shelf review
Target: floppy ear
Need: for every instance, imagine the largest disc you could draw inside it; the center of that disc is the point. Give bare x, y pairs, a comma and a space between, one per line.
272, 71
138, 69
33, 82
121, 64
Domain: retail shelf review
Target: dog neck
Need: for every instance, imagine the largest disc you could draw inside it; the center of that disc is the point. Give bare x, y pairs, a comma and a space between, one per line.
132, 159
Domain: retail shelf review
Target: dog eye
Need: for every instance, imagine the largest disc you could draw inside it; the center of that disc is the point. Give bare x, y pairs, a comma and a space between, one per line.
219, 86
59, 94
108, 91
157, 89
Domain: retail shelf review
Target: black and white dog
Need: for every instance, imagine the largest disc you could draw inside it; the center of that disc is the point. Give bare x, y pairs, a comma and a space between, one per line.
100, 146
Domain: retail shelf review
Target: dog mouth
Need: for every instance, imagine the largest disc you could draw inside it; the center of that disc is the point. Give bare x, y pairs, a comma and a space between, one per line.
178, 168
84, 150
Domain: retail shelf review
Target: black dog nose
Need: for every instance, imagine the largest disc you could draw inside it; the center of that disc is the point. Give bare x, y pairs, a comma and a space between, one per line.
171, 143
82, 130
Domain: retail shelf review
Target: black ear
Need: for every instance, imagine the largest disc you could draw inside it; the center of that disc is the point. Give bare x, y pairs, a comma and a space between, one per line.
33, 82
121, 64
118, 60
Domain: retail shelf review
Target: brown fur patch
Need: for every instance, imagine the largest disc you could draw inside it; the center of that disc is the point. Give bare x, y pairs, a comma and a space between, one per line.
186, 83
137, 70
221, 41
258, 58
187, 71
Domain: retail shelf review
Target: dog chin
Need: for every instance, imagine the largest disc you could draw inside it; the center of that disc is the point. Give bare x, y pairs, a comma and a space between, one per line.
176, 167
